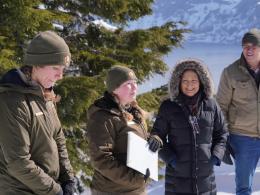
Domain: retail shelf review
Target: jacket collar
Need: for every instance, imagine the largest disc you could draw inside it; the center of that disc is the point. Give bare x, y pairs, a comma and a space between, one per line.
108, 102
15, 80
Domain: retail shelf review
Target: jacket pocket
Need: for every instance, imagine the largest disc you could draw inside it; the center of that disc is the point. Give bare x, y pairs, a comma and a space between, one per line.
242, 89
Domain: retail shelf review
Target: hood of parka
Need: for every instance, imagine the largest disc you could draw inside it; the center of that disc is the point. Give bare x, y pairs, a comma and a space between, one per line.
15, 80
202, 72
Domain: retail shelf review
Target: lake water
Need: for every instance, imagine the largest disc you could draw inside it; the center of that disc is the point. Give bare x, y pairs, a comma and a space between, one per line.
215, 56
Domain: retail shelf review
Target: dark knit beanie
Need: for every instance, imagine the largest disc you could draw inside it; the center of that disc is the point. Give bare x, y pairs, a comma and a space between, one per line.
118, 75
253, 36
47, 48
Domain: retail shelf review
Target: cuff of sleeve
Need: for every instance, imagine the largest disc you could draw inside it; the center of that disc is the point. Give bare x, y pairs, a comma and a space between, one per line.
159, 139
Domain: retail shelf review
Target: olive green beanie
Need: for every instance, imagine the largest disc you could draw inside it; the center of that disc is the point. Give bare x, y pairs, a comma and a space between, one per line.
47, 48
118, 75
253, 36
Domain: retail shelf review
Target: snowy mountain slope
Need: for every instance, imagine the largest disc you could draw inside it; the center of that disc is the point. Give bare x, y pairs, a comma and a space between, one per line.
211, 21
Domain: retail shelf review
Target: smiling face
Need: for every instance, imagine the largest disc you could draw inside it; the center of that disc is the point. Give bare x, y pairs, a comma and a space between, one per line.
46, 76
252, 54
190, 83
126, 92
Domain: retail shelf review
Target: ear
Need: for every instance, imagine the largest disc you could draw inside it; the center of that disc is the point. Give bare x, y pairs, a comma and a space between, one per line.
34, 68
115, 92
34, 72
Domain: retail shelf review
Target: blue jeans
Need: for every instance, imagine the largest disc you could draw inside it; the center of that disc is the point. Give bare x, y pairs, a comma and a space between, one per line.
247, 153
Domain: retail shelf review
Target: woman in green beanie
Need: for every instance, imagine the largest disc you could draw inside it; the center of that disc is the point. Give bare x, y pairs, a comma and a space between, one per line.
33, 155
109, 120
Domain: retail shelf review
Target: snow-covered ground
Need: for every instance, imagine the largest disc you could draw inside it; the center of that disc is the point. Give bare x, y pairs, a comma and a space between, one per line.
224, 178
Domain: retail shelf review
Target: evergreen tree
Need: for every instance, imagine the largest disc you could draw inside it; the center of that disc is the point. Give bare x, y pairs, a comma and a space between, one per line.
20, 20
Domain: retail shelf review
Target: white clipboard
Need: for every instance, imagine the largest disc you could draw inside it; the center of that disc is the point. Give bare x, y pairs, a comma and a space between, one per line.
139, 157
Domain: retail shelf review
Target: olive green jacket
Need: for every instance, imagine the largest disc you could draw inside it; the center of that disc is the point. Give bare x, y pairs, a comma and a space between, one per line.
33, 155
239, 99
107, 136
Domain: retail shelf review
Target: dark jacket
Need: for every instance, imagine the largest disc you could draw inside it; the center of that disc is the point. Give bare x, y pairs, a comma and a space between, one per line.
33, 155
107, 128
191, 148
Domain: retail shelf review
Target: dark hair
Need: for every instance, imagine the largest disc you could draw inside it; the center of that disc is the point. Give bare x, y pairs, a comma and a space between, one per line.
27, 71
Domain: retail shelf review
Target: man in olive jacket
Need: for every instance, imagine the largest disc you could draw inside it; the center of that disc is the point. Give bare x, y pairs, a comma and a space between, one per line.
33, 155
238, 96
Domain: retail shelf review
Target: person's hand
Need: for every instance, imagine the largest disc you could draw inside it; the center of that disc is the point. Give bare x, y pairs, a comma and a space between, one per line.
60, 192
68, 187
173, 163
147, 175
214, 160
154, 143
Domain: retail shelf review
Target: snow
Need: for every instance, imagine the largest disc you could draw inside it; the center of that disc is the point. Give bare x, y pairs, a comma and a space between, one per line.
224, 193
41, 6
58, 26
104, 24
200, 12
224, 178
211, 21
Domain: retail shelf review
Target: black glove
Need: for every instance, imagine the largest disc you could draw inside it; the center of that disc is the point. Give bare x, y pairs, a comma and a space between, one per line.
154, 143
68, 187
214, 160
147, 175
173, 163
60, 192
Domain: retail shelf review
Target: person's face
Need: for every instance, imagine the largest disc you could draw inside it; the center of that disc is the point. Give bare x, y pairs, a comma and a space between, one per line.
46, 76
252, 54
190, 83
126, 92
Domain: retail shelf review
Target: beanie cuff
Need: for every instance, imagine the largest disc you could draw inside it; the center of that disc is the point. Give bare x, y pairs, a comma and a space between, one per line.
61, 58
118, 75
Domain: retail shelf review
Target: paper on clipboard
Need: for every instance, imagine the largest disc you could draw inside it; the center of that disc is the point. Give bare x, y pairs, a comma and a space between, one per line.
139, 157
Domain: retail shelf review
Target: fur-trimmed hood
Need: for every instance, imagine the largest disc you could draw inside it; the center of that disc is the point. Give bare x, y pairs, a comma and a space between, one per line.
190, 64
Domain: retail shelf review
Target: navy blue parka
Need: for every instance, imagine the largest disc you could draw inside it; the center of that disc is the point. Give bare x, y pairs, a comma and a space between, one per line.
190, 148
